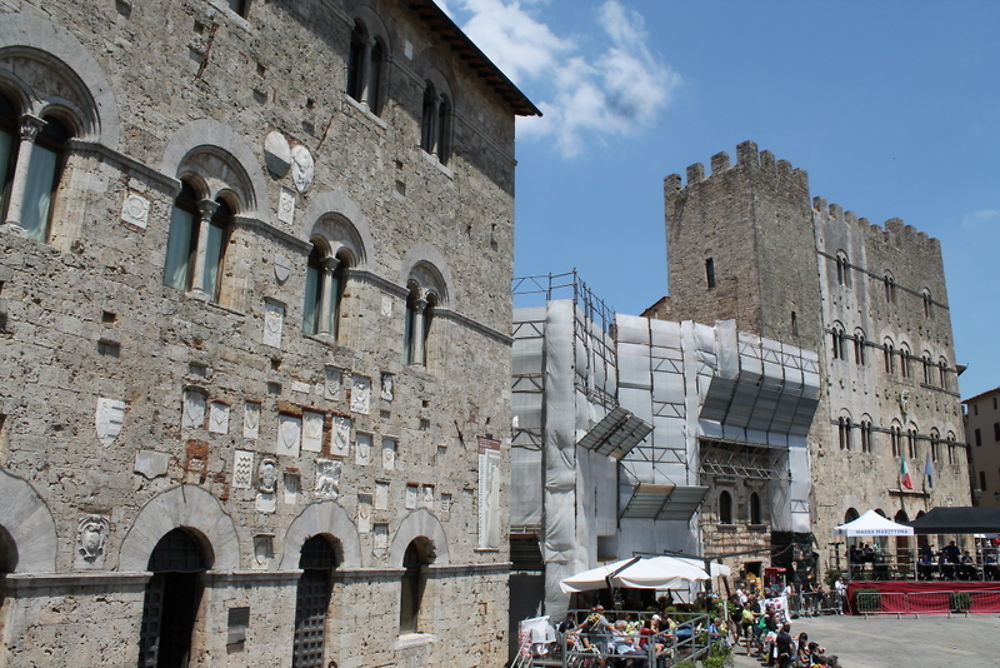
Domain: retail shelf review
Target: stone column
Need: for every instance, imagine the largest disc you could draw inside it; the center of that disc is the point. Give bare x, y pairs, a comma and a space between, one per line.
419, 306
435, 143
30, 127
206, 209
366, 70
330, 265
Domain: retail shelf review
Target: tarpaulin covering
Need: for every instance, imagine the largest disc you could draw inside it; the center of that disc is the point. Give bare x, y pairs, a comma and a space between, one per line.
962, 519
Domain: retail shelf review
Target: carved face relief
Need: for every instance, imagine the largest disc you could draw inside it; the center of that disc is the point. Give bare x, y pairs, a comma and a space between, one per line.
303, 168
92, 533
267, 476
388, 386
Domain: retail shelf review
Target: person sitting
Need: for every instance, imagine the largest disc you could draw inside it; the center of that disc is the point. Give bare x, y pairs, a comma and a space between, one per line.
967, 569
990, 569
946, 568
952, 552
925, 566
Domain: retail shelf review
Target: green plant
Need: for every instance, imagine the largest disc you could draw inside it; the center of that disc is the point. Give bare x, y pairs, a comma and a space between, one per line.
960, 601
832, 575
719, 656
686, 663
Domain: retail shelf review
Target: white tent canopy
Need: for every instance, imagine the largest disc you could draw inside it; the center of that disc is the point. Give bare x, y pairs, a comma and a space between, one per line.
638, 572
873, 524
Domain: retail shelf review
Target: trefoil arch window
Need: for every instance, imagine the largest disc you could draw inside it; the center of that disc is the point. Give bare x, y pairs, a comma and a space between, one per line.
928, 303
943, 372
904, 360
436, 124
911, 442
843, 269
928, 368
859, 347
951, 447
866, 434
326, 277
420, 306
895, 438
844, 432
839, 342
197, 243
889, 356
890, 288
935, 445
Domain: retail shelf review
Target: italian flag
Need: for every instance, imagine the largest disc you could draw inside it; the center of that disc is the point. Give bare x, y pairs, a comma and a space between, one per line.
904, 474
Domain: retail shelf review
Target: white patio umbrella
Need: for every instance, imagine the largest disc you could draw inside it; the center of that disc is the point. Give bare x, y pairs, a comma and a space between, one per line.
873, 524
716, 569
640, 573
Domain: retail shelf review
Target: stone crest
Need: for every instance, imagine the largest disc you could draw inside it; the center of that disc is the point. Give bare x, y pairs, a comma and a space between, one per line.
333, 380
341, 436
274, 319
91, 536
109, 419
286, 206
303, 168
328, 478
263, 549
312, 431
135, 210
251, 419
267, 475
289, 434
282, 268
242, 469
194, 410
361, 394
277, 154
218, 417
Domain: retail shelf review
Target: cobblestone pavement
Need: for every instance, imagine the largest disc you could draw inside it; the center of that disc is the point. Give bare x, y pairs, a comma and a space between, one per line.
930, 641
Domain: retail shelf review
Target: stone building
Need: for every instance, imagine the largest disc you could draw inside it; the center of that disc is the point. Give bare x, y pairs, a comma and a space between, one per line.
747, 243
982, 433
642, 435
252, 253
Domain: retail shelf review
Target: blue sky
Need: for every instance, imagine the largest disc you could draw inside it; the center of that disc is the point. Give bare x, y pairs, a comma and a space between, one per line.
892, 107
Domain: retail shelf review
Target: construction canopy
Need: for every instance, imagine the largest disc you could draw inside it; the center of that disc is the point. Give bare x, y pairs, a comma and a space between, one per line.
637, 572
873, 524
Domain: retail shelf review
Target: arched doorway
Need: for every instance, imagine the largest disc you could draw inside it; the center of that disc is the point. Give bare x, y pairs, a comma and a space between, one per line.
319, 556
418, 557
904, 552
173, 595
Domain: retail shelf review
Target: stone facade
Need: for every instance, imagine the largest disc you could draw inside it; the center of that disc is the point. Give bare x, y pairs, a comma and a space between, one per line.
747, 243
132, 408
982, 433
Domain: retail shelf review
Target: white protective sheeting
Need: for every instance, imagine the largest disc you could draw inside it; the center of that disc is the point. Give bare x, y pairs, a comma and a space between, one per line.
873, 524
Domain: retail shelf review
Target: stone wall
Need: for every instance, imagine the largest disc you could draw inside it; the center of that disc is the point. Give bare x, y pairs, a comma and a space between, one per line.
133, 408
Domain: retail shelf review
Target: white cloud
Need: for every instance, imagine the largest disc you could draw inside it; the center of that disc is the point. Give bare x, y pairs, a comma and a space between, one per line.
977, 218
614, 86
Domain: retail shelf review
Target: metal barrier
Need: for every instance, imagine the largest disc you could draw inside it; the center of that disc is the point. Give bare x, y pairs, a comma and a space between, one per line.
926, 603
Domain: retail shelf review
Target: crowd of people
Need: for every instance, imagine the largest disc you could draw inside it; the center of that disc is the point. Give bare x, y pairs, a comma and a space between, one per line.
946, 563
766, 632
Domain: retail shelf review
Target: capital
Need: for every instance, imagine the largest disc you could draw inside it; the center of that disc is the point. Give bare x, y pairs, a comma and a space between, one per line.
207, 208
30, 126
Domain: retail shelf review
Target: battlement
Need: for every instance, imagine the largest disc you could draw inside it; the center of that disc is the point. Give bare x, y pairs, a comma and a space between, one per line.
748, 156
894, 230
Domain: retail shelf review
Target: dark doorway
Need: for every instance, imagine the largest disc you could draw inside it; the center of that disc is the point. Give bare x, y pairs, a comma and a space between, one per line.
312, 601
172, 598
418, 556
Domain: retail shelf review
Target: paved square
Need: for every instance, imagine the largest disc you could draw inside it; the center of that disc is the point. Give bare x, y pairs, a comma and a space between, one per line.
930, 641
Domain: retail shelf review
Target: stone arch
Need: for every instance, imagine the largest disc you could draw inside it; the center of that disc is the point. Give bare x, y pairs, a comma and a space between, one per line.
188, 507
28, 33
425, 259
322, 517
29, 524
338, 219
419, 523
215, 139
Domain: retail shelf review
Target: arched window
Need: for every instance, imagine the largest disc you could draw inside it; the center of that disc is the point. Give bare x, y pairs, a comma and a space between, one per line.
725, 508
928, 368
365, 65
426, 291
935, 445
238, 6
182, 241
928, 303
851, 515
943, 373
951, 447
217, 239
844, 432
895, 438
418, 557
911, 441
839, 342
436, 124
325, 279
9, 134
318, 558
866, 433
890, 288
904, 360
41, 155
859, 347
843, 269
755, 516
173, 595
888, 356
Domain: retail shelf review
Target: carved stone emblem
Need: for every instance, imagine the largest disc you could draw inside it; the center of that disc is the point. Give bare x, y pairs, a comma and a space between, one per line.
251, 419
194, 410
388, 454
277, 154
293, 485
303, 168
428, 497
361, 394
312, 431
267, 475
364, 513
242, 469
286, 206
92, 534
274, 319
341, 436
382, 495
218, 417
151, 464
263, 549
412, 492
388, 386
135, 210
904, 402
328, 478
381, 538
282, 268
108, 419
289, 432
363, 449
333, 377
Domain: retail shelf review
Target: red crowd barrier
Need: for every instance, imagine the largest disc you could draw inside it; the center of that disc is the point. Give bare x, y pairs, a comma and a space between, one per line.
917, 598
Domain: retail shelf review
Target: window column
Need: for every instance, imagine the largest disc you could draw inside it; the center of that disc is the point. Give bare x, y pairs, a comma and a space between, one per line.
29, 128
206, 209
419, 307
326, 306
365, 73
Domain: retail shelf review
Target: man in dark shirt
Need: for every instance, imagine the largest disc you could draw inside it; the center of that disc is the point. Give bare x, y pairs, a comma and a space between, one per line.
786, 646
